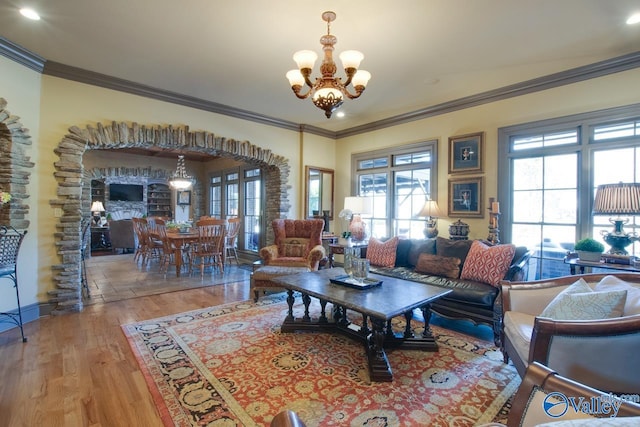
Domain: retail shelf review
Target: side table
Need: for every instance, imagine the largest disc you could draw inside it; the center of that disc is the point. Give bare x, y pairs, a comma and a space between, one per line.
338, 249
577, 262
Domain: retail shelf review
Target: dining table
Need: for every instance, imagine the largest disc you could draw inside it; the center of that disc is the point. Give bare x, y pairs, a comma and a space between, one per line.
180, 240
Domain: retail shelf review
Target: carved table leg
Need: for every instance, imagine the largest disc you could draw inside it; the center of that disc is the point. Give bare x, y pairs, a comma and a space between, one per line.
408, 333
290, 301
306, 299
323, 315
379, 368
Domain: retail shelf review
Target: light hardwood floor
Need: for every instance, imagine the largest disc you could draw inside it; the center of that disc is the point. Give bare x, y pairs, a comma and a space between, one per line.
78, 370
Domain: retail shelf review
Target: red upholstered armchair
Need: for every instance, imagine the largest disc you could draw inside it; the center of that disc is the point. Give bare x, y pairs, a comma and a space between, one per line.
298, 243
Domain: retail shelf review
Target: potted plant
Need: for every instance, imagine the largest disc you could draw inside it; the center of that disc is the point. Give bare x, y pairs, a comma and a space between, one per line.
589, 249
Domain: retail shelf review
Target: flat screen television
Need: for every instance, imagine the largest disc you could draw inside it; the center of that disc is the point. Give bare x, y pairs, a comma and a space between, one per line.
126, 192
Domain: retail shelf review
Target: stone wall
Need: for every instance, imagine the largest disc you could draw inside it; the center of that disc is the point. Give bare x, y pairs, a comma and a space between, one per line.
72, 194
15, 168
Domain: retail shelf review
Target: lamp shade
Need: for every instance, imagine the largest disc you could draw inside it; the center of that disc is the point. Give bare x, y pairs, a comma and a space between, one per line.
617, 199
359, 205
430, 209
97, 206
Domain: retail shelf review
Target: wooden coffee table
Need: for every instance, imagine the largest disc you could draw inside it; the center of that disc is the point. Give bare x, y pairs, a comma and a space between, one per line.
377, 305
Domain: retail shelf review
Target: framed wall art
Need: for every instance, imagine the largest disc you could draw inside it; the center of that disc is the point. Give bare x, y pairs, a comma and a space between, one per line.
466, 153
184, 198
465, 197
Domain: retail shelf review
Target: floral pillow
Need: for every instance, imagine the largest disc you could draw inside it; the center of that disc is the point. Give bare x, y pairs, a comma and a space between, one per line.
382, 254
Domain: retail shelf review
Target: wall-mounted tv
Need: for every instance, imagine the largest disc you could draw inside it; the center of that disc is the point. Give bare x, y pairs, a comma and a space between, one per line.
126, 193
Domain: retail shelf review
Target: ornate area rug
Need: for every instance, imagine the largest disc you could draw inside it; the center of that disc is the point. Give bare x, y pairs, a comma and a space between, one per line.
231, 366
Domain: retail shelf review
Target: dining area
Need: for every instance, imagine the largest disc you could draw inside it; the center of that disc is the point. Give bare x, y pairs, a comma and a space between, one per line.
205, 245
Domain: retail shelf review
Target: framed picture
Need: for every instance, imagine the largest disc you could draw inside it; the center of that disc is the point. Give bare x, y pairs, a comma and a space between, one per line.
184, 197
465, 197
466, 153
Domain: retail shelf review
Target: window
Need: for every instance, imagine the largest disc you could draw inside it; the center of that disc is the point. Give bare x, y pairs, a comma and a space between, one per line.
238, 193
399, 181
548, 175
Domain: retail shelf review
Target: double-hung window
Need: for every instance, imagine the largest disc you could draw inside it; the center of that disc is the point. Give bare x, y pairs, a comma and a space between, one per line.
548, 174
399, 181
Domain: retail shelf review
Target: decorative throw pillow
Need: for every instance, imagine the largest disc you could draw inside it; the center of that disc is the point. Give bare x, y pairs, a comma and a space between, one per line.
612, 283
420, 246
586, 305
487, 264
438, 265
382, 254
293, 248
453, 248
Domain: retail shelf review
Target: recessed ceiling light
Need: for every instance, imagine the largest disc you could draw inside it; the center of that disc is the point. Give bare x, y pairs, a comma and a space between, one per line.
633, 19
340, 114
30, 13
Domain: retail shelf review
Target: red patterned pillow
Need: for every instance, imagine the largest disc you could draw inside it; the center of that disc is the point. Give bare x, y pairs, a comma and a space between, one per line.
382, 254
487, 264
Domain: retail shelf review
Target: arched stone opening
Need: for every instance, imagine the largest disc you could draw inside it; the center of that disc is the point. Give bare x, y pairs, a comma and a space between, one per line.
72, 194
15, 168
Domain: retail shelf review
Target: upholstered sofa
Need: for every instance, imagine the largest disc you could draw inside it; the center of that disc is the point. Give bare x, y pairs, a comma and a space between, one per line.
586, 327
441, 262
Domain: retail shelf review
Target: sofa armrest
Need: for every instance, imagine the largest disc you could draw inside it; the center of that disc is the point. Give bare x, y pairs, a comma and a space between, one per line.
316, 254
583, 351
519, 269
268, 253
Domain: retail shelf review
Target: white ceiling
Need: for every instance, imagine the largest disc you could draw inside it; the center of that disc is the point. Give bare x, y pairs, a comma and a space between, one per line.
420, 52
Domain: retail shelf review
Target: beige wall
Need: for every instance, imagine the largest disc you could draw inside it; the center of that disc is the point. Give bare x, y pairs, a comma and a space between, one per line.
20, 87
49, 106
605, 92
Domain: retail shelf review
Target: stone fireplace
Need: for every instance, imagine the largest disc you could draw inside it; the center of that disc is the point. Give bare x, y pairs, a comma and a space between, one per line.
73, 197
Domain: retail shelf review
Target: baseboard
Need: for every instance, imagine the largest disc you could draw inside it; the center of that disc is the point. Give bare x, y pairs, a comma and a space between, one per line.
29, 314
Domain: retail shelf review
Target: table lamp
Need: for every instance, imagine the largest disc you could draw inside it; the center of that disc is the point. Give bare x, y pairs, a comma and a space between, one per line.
97, 208
358, 206
430, 211
622, 199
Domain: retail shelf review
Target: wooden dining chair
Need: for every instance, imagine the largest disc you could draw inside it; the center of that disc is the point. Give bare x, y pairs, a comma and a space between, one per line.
141, 230
230, 243
167, 253
209, 248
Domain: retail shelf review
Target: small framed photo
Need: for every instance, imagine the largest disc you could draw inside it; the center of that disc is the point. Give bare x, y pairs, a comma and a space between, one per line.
184, 198
466, 153
465, 197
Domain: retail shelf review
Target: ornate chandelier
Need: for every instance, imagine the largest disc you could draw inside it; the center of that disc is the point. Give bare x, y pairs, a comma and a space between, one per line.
328, 92
180, 180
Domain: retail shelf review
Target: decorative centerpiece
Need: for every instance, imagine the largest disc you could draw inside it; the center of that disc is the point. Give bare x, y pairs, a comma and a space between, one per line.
589, 249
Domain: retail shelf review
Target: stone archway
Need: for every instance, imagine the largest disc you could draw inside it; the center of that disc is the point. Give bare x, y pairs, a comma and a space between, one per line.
15, 168
69, 173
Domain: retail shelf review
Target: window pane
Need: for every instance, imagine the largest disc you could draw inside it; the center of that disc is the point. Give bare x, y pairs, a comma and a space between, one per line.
560, 171
618, 130
527, 206
623, 171
544, 140
527, 173
560, 206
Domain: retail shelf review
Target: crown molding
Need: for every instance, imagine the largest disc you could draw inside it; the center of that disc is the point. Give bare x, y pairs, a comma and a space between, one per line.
21, 55
574, 75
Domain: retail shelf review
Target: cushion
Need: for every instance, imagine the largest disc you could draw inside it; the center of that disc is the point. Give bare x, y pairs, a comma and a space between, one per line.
612, 283
382, 254
487, 264
453, 248
420, 246
293, 248
438, 265
579, 302
402, 252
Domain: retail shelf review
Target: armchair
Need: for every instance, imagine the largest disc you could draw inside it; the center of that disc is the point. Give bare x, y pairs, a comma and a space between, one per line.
598, 353
298, 243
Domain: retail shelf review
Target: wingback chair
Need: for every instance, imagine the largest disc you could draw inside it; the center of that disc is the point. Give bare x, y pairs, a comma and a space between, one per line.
298, 243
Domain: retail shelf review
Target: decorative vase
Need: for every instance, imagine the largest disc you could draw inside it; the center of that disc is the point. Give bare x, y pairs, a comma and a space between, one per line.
358, 229
459, 230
